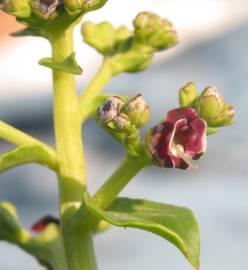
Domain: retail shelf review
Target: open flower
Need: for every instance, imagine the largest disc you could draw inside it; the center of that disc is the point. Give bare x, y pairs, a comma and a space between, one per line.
178, 139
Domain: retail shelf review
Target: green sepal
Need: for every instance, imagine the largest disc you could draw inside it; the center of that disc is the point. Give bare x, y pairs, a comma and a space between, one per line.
225, 118
29, 31
68, 65
212, 130
27, 154
187, 95
10, 229
173, 223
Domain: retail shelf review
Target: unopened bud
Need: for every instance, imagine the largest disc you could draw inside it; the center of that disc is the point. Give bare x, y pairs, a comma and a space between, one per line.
122, 122
9, 227
75, 6
100, 36
46, 8
110, 108
17, 8
137, 110
225, 118
210, 103
154, 31
187, 95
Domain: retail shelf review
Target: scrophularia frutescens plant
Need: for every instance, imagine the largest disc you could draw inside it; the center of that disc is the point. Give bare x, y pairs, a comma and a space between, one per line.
65, 243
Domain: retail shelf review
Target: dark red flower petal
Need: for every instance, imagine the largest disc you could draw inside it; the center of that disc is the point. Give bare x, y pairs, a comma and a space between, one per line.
178, 139
181, 113
41, 224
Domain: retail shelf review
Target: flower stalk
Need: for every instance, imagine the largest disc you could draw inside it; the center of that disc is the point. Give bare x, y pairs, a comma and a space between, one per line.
69, 147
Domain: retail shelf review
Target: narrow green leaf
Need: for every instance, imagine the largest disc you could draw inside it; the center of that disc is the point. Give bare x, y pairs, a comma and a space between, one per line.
27, 154
175, 224
68, 65
36, 32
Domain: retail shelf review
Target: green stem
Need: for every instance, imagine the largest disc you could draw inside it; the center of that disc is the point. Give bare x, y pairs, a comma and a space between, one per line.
69, 146
17, 137
118, 180
94, 88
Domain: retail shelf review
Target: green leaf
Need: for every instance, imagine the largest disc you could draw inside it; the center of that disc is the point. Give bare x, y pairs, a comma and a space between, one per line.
68, 65
36, 32
27, 154
175, 224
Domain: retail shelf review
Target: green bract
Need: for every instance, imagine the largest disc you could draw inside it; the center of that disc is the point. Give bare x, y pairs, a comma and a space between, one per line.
175, 224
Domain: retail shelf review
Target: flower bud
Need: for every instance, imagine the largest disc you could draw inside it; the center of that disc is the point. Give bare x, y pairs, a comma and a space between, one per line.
46, 8
122, 122
187, 95
210, 103
17, 8
77, 6
154, 31
137, 110
100, 36
225, 118
9, 226
110, 108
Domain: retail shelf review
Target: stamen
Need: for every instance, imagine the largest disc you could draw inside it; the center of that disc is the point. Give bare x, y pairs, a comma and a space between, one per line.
179, 149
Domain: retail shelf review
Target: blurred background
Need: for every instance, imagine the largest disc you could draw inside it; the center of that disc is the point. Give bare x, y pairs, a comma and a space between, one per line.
212, 51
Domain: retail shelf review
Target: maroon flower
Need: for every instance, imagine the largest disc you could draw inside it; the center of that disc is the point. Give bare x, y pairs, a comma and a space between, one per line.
178, 139
41, 224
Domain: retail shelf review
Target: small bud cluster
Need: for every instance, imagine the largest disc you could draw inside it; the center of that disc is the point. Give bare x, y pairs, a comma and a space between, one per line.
31, 11
118, 113
131, 51
210, 105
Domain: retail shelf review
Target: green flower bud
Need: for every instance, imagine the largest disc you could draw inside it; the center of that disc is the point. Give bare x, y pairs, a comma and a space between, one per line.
154, 31
137, 110
210, 103
9, 227
187, 95
100, 36
122, 36
17, 8
78, 6
225, 118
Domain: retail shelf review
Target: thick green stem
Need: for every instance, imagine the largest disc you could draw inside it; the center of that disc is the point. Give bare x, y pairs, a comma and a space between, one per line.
94, 88
118, 180
69, 146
